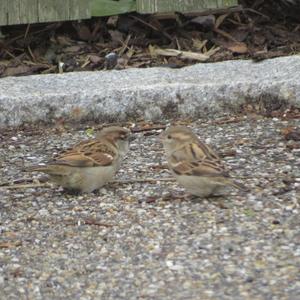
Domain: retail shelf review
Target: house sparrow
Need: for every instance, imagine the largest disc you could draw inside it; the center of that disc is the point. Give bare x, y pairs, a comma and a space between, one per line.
195, 166
90, 164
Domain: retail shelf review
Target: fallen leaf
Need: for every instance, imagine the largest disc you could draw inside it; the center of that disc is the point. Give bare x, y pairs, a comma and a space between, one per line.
238, 47
230, 153
199, 44
83, 32
73, 49
113, 21
182, 54
64, 40
228, 120
291, 133
208, 22
18, 70
220, 20
95, 59
293, 146
242, 141
116, 36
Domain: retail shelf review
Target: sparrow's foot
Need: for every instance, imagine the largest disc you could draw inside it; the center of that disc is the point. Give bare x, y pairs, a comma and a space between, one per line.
71, 192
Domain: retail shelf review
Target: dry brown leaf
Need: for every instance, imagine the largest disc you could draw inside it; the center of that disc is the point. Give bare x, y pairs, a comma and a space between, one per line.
208, 22
227, 153
113, 21
238, 47
293, 146
291, 133
4, 62
95, 59
220, 20
83, 32
242, 141
18, 70
226, 35
116, 36
64, 40
182, 54
199, 44
228, 120
73, 49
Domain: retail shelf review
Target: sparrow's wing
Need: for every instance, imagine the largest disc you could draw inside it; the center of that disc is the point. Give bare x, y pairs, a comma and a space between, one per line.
204, 167
196, 151
87, 154
202, 150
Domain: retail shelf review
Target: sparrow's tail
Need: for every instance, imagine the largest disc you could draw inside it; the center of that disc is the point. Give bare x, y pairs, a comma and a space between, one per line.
37, 168
225, 181
49, 169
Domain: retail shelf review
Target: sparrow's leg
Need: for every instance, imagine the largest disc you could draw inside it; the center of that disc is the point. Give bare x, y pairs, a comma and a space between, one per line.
72, 192
194, 198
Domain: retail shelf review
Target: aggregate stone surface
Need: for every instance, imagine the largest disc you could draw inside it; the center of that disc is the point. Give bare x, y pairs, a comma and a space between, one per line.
152, 93
150, 240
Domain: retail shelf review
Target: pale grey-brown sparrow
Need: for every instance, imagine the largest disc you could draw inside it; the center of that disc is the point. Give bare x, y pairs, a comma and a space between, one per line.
90, 164
195, 165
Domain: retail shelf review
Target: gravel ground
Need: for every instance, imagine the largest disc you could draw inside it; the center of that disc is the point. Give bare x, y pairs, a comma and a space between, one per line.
150, 240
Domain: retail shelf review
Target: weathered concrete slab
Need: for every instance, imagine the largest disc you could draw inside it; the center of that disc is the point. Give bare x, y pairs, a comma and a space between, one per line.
196, 91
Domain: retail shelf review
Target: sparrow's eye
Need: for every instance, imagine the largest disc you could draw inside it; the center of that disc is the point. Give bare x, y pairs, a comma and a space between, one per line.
169, 137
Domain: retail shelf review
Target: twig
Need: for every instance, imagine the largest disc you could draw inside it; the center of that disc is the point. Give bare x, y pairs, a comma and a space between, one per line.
48, 28
47, 184
225, 34
86, 222
90, 221
24, 180
20, 180
218, 11
11, 55
9, 245
151, 180
256, 12
26, 32
25, 186
125, 45
149, 128
227, 120
153, 27
31, 54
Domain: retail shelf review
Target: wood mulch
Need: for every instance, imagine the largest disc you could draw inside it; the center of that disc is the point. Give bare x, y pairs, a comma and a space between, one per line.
255, 31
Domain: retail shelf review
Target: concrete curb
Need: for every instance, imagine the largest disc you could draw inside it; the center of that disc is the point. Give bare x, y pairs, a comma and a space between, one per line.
155, 93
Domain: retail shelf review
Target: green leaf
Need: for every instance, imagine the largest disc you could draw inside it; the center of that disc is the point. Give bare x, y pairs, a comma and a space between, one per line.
90, 132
